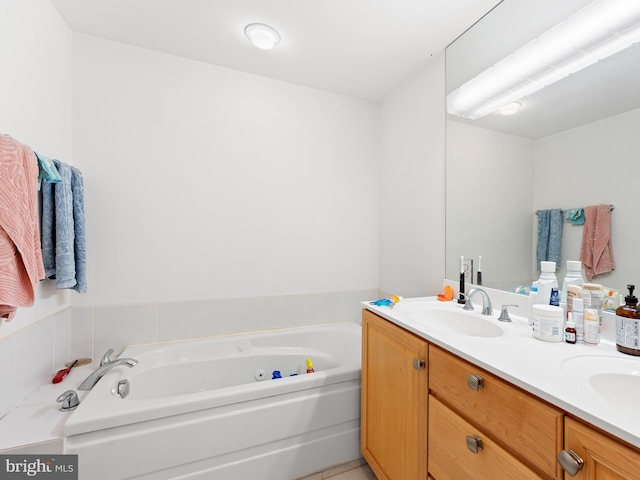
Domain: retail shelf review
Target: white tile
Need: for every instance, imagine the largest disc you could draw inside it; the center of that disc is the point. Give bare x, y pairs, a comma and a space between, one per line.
336, 306
81, 332
62, 339
237, 315
34, 358
118, 326
7, 375
283, 311
181, 320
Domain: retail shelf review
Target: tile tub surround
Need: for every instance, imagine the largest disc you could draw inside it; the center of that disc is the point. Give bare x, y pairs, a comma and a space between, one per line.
30, 357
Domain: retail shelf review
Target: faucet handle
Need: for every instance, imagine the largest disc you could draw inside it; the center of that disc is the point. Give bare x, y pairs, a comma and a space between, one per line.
467, 302
69, 400
504, 313
106, 358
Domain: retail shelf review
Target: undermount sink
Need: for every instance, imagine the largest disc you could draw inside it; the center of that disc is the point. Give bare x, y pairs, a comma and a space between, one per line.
615, 379
456, 320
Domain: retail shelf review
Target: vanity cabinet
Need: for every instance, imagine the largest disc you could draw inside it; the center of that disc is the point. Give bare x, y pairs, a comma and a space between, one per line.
394, 400
479, 422
428, 414
604, 457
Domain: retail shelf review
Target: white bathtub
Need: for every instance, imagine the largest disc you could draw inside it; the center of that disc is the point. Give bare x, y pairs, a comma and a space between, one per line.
196, 409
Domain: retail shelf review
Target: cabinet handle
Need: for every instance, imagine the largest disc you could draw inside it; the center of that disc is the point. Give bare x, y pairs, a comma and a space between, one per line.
474, 443
475, 382
570, 461
419, 363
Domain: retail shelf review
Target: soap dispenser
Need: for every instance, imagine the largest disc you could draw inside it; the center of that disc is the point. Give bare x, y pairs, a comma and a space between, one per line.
628, 325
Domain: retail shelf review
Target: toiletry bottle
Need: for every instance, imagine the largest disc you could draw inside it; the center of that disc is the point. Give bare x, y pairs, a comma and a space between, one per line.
578, 318
591, 326
628, 325
573, 292
548, 323
570, 331
572, 277
548, 285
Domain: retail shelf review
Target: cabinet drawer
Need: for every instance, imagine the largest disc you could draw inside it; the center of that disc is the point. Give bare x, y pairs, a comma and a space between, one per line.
450, 458
530, 428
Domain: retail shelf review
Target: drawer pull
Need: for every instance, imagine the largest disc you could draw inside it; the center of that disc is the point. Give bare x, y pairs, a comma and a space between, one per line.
419, 363
474, 443
475, 382
570, 462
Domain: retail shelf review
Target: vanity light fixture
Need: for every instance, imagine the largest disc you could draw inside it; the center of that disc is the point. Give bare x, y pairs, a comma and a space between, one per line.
262, 36
597, 31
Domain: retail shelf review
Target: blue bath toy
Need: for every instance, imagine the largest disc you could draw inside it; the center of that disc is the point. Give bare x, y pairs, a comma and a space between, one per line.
276, 374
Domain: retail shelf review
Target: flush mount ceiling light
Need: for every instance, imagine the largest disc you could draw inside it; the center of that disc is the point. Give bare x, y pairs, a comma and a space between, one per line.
599, 30
510, 108
262, 36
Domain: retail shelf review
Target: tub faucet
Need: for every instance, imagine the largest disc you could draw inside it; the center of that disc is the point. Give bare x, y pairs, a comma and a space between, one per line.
106, 364
487, 308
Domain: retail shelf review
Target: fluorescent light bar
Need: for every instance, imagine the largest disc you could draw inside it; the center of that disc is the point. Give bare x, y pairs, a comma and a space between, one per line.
597, 31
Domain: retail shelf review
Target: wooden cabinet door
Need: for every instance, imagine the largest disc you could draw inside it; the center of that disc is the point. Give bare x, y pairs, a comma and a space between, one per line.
604, 458
394, 400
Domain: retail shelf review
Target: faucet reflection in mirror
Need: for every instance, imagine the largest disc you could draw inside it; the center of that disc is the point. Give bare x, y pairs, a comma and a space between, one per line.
595, 32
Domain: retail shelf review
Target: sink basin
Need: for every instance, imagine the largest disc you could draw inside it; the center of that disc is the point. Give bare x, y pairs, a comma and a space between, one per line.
615, 379
457, 321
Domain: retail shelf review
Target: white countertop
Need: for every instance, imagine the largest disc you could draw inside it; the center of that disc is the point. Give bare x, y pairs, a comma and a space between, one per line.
551, 371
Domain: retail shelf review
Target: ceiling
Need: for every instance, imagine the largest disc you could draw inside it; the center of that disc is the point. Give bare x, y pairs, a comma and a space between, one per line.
358, 48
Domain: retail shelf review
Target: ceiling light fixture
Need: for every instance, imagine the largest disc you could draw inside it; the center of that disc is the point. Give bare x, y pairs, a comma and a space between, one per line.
262, 36
599, 30
510, 108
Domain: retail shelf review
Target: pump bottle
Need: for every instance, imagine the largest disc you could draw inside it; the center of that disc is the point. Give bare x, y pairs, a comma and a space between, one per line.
628, 325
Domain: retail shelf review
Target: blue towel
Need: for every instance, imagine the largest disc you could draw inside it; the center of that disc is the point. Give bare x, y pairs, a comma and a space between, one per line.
549, 245
63, 229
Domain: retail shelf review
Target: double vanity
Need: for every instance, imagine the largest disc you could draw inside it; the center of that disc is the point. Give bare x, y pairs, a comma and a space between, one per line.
450, 394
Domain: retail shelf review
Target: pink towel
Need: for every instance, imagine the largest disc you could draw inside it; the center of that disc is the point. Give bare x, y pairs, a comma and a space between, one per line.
21, 265
596, 254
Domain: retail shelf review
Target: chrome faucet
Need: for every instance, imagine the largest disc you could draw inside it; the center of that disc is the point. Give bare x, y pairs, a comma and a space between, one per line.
106, 364
487, 308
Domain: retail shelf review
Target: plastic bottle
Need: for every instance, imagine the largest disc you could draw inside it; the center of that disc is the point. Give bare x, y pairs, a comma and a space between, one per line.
628, 325
548, 323
570, 331
578, 318
591, 326
548, 285
572, 277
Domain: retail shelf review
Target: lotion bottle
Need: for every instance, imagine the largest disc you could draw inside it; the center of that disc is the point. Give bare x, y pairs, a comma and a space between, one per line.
578, 318
628, 325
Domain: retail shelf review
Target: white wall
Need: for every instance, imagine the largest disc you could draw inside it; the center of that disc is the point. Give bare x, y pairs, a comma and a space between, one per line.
35, 99
487, 161
412, 184
204, 182
593, 164
35, 94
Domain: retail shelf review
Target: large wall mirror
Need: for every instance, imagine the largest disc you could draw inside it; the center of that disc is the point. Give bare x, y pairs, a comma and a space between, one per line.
572, 144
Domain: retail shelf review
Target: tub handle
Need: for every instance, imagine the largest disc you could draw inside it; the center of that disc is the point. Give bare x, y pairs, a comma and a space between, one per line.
69, 400
123, 388
419, 363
